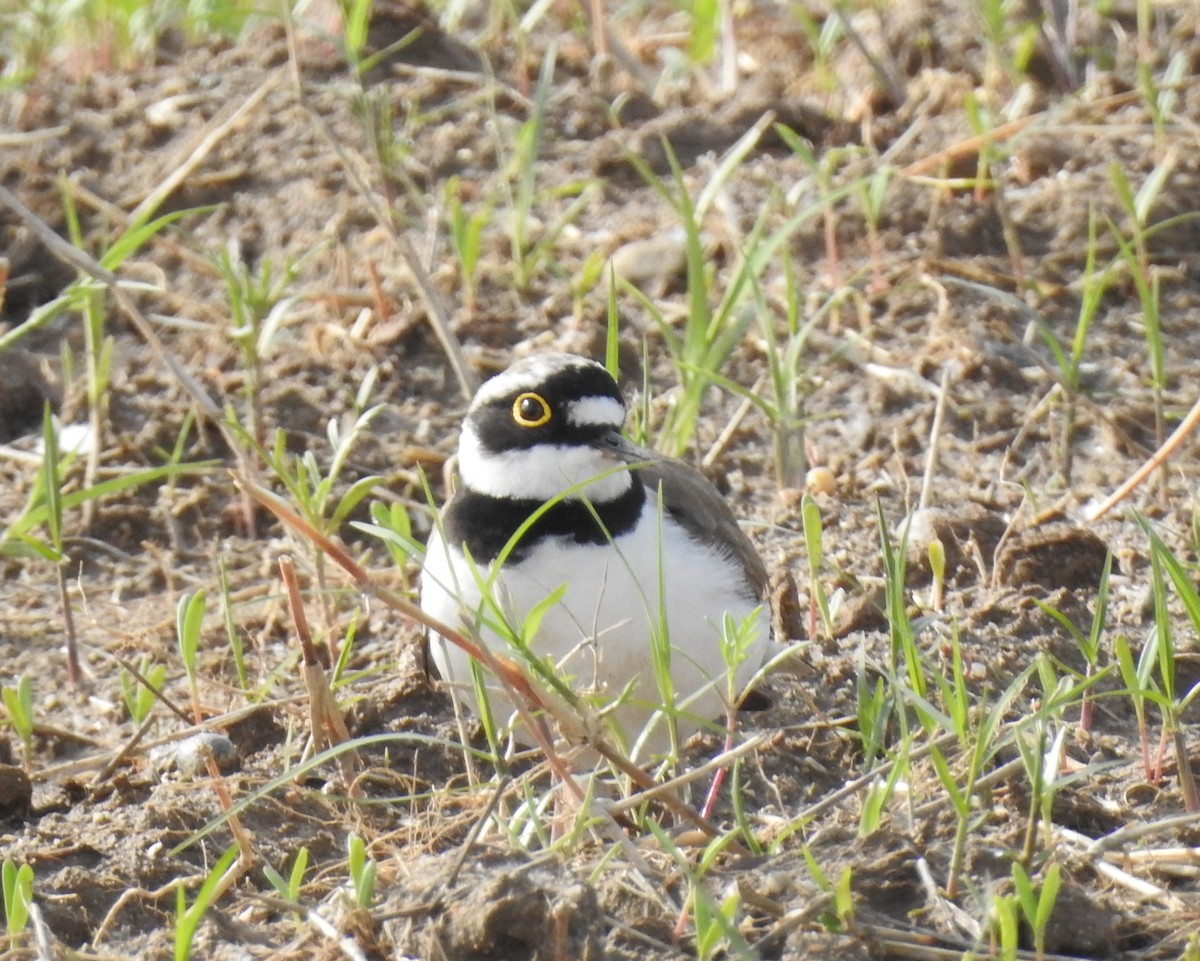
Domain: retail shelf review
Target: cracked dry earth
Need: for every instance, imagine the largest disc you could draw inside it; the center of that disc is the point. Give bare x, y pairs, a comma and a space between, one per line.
940, 302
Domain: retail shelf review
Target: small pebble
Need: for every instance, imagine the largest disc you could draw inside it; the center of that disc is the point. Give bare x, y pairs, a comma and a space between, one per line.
820, 480
188, 756
652, 262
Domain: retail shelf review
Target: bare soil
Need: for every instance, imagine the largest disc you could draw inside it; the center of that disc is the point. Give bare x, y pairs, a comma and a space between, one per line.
977, 241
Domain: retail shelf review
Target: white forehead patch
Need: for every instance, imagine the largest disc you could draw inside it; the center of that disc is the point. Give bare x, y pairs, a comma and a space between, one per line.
526, 374
596, 412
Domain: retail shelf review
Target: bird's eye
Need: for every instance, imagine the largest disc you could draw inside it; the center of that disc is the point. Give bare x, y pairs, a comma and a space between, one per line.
530, 410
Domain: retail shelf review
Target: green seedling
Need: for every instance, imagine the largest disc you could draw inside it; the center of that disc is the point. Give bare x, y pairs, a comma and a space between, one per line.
843, 900
1139, 686
1043, 780
1160, 97
466, 235
904, 650
18, 703
530, 829
391, 524
389, 137
700, 350
258, 306
139, 698
188, 917
810, 514
660, 647
742, 816
1069, 360
47, 505
978, 733
1005, 928
1135, 255
1010, 41
787, 377
289, 888
590, 273
362, 872
824, 169
790, 384
714, 920
338, 677
107, 33
715, 923
315, 491
737, 637
312, 489
1038, 738
98, 348
189, 617
18, 896
356, 22
88, 298
356, 18
824, 35
232, 634
531, 246
709, 336
704, 29
879, 795
51, 492
870, 193
874, 712
1037, 906
1164, 566
71, 300
936, 552
1089, 645
991, 157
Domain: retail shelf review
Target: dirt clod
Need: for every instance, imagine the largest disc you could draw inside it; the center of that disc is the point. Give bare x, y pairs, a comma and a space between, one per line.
519, 913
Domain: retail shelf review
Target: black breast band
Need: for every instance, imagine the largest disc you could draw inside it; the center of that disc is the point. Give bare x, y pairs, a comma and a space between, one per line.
483, 524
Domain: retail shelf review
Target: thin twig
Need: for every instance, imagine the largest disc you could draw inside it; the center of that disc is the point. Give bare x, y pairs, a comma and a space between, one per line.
78, 765
1135, 832
195, 153
1157, 459
935, 435
862, 783
694, 774
327, 727
473, 835
1141, 887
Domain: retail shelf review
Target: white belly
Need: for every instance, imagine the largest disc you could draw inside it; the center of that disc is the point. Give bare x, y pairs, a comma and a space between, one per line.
602, 632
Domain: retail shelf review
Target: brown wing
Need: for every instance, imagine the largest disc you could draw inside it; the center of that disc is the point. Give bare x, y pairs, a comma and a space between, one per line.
690, 498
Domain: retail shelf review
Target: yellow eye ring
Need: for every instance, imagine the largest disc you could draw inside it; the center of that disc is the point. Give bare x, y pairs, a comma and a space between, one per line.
530, 410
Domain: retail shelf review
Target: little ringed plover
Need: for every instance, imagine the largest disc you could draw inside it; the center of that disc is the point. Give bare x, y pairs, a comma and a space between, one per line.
642, 549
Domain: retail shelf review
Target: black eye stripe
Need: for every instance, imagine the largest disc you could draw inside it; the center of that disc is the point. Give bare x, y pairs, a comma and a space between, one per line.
500, 425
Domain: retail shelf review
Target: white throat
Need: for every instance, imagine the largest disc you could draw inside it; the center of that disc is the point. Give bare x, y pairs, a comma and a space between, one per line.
541, 472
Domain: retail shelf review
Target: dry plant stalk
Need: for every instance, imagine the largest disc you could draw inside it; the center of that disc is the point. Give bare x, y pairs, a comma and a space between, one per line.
328, 727
527, 698
1156, 460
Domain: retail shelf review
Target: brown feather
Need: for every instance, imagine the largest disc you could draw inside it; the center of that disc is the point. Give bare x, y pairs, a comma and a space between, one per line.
697, 506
